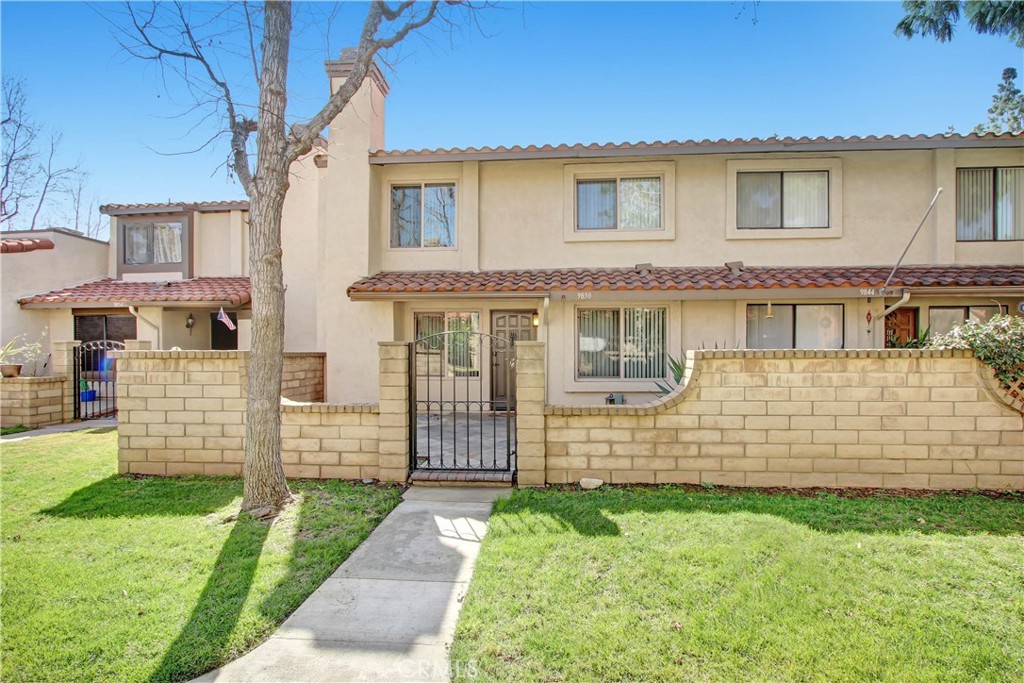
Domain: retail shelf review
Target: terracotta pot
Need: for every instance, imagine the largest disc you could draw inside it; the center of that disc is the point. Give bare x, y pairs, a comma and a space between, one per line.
10, 369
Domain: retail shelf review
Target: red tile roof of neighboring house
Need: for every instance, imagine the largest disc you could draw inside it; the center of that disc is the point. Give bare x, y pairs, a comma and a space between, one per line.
773, 144
679, 279
175, 207
14, 246
227, 291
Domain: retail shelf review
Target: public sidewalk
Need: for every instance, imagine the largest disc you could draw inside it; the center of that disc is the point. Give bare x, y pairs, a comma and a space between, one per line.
388, 613
58, 429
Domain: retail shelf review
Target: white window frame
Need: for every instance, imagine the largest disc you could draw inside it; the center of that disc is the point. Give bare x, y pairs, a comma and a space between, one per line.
422, 184
995, 204
832, 165
796, 305
621, 379
573, 173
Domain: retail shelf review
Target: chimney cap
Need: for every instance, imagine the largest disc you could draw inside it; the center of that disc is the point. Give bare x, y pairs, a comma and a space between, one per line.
342, 67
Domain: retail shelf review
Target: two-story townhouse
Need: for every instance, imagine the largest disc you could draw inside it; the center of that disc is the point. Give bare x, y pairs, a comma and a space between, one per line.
621, 255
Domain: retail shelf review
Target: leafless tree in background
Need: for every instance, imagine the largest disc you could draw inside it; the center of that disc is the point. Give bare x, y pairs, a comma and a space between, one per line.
35, 184
191, 45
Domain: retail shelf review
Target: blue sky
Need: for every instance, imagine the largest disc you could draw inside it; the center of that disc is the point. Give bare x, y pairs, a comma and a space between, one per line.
539, 73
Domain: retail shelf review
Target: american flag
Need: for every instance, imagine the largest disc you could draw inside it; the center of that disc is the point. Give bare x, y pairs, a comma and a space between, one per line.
225, 318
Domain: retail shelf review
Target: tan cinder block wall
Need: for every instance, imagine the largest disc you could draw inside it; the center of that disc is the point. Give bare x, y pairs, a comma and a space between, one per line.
32, 401
892, 419
530, 383
183, 412
63, 364
303, 377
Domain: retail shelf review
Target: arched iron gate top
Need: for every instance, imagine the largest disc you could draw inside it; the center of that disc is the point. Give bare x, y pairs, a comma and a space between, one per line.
102, 344
462, 402
483, 336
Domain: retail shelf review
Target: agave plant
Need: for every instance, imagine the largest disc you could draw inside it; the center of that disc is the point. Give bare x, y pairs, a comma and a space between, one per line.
11, 350
677, 366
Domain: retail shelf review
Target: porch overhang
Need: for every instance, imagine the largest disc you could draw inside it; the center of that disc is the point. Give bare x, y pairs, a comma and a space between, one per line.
697, 283
202, 292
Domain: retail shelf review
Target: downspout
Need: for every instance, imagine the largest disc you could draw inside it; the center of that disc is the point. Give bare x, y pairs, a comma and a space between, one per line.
135, 311
904, 299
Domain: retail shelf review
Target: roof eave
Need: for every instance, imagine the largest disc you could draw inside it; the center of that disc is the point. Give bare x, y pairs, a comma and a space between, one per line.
434, 156
226, 303
699, 294
173, 208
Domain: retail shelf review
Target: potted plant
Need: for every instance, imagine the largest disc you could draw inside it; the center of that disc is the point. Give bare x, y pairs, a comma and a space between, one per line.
8, 353
85, 394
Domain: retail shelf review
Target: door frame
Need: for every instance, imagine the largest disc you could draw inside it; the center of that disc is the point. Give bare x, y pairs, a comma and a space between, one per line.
495, 376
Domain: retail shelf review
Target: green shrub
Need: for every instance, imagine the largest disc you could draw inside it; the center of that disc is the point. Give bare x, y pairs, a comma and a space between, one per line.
999, 343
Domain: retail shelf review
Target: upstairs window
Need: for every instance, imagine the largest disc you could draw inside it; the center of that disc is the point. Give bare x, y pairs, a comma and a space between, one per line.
152, 243
989, 204
621, 343
423, 216
619, 204
782, 200
795, 326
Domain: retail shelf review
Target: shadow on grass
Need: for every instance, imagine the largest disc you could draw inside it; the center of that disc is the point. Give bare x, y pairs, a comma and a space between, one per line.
118, 496
592, 513
213, 619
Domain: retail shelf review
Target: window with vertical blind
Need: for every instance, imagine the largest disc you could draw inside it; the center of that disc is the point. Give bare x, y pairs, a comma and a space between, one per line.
423, 216
989, 204
620, 203
782, 200
621, 343
795, 326
456, 354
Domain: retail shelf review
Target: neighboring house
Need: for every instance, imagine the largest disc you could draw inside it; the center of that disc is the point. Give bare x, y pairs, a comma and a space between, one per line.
166, 273
37, 260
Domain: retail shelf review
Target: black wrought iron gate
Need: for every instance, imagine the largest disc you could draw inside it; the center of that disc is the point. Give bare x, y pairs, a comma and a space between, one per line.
96, 379
458, 422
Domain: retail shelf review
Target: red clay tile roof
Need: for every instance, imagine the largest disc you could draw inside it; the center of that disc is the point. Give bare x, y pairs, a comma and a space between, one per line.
14, 246
679, 279
174, 207
788, 144
228, 291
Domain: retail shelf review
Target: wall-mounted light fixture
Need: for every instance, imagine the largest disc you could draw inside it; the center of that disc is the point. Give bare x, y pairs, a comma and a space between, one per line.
536, 319
190, 323
769, 314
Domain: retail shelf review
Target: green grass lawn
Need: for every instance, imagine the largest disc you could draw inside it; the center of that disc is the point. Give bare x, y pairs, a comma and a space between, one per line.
109, 578
16, 429
680, 585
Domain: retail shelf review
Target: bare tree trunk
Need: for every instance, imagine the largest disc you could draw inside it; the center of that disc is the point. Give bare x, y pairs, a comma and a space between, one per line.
265, 484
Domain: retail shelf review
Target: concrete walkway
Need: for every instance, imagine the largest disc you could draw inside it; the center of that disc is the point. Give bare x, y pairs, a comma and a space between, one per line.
388, 613
59, 429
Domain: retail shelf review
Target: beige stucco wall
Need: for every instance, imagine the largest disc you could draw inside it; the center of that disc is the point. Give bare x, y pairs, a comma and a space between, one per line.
300, 254
511, 214
72, 261
349, 249
221, 244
